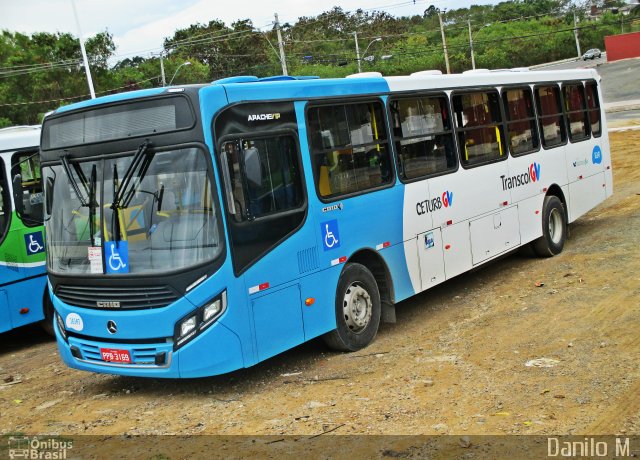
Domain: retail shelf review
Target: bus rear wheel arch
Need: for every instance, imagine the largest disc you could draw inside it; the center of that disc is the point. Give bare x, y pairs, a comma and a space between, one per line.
554, 228
357, 309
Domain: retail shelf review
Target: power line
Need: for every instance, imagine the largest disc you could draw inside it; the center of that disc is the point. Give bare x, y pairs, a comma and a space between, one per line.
108, 91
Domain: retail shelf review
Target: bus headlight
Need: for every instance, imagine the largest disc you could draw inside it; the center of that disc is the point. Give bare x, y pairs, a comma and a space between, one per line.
196, 322
187, 326
63, 331
211, 310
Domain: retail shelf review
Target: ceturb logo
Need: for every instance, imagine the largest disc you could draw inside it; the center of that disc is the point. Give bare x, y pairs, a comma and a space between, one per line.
264, 116
532, 175
426, 206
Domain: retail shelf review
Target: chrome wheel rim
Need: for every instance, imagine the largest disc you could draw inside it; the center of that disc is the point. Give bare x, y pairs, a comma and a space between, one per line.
357, 307
555, 226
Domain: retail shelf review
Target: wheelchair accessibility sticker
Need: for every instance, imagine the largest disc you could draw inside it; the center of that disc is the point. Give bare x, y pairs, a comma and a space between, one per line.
34, 243
117, 256
330, 235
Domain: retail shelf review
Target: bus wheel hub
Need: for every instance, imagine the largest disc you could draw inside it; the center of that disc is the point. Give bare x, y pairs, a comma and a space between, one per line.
357, 307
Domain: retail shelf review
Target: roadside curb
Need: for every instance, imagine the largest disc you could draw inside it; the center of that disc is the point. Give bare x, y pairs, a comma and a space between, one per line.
547, 64
624, 128
622, 108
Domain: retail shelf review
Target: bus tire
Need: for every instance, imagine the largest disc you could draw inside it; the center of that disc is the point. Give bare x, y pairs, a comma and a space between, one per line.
554, 228
358, 310
47, 307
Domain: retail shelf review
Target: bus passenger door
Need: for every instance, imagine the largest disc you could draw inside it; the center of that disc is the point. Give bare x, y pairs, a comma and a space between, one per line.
431, 259
266, 204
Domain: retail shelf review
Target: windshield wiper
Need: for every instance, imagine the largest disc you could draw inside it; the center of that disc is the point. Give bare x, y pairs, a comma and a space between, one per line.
72, 181
90, 188
115, 222
92, 205
123, 194
140, 164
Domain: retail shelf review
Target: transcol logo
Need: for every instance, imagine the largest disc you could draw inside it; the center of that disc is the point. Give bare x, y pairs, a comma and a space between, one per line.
426, 206
447, 199
532, 175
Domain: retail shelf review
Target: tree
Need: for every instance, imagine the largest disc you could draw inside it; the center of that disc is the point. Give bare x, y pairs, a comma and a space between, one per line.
44, 70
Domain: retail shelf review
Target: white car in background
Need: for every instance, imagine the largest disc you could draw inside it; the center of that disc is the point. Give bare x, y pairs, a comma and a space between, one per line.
592, 54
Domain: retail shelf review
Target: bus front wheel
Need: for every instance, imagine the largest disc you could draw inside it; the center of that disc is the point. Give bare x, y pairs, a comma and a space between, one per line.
554, 228
357, 310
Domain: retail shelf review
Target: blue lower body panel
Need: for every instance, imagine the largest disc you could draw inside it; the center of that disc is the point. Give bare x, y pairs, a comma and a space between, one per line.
215, 351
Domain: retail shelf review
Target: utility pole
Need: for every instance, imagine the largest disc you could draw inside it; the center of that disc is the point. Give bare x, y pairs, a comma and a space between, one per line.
164, 80
84, 53
355, 36
473, 59
444, 43
575, 32
283, 60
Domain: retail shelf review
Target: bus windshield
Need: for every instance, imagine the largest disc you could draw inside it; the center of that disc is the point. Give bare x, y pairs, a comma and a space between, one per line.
109, 216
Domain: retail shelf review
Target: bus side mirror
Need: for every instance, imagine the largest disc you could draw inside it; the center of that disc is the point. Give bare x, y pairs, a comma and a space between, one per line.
48, 196
18, 194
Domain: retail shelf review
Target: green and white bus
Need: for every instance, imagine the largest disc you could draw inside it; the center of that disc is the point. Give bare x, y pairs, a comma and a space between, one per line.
24, 297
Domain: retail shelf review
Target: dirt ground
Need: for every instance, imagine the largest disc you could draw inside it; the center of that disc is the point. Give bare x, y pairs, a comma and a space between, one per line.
454, 363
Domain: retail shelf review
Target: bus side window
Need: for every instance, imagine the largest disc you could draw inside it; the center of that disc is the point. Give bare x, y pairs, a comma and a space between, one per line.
479, 127
5, 203
550, 118
27, 164
576, 109
423, 136
593, 106
264, 181
521, 121
349, 148
264, 176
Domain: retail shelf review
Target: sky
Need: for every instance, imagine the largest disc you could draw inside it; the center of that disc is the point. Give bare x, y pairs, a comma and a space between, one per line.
140, 26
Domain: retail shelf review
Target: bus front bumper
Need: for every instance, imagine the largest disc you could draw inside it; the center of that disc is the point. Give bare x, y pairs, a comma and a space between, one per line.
216, 351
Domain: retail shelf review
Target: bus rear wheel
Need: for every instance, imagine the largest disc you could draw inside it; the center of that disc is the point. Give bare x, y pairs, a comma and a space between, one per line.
554, 228
357, 310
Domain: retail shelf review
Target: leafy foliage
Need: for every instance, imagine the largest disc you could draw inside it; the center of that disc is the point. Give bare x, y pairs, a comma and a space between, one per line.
43, 71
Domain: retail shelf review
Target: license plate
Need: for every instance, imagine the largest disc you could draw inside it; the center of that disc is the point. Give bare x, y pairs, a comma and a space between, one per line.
114, 355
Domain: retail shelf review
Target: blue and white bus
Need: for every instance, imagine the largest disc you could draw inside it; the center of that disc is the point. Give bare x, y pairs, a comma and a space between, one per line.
24, 297
196, 230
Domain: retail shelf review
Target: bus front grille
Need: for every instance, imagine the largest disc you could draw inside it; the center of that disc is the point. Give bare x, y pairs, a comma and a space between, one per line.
113, 298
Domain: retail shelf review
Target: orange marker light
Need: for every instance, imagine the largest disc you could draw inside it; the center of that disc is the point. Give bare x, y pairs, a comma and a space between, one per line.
24, 311
448, 246
310, 301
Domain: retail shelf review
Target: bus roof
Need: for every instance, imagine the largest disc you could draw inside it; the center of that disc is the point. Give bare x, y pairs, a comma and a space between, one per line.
19, 137
250, 88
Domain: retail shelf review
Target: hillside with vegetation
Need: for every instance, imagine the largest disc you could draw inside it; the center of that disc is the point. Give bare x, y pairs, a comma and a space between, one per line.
43, 71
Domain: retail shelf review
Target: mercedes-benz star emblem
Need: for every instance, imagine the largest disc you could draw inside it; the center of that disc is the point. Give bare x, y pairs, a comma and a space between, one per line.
112, 327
